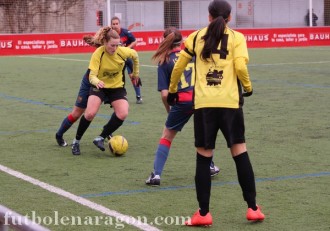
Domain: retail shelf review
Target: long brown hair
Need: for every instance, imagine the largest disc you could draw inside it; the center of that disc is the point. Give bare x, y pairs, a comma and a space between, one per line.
103, 35
172, 39
220, 11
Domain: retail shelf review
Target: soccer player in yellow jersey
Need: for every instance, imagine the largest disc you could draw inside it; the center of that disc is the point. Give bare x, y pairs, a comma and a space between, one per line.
221, 73
107, 79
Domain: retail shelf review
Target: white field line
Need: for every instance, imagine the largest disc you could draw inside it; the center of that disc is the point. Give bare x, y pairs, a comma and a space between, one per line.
66, 59
97, 207
154, 66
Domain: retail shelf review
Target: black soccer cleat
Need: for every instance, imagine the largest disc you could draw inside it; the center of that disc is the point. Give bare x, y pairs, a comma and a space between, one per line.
153, 180
60, 141
99, 142
75, 149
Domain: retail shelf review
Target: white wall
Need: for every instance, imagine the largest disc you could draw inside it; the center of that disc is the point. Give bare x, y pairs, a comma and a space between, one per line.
245, 13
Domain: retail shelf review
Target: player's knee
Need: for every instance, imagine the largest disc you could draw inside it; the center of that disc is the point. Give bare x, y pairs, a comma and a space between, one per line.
122, 115
89, 115
237, 149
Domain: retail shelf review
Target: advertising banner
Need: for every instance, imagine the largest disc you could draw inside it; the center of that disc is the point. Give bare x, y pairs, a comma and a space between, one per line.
29, 44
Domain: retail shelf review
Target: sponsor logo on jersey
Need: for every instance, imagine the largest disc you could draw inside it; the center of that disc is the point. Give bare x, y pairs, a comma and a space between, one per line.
214, 77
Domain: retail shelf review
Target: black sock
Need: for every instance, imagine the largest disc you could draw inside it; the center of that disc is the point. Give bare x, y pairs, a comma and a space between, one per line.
113, 124
246, 179
203, 183
82, 127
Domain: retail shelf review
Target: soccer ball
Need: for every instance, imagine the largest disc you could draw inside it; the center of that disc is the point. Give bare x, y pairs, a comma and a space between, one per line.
118, 145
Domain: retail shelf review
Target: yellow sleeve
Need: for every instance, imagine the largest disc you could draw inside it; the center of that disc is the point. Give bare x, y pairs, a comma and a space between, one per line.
178, 69
241, 59
93, 78
189, 43
136, 66
94, 66
243, 74
125, 53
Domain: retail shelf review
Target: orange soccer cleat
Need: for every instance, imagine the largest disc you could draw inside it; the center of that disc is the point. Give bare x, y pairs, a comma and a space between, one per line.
199, 220
257, 215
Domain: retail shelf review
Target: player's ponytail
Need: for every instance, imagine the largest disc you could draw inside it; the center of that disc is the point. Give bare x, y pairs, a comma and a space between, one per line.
108, 33
96, 39
172, 39
104, 34
219, 11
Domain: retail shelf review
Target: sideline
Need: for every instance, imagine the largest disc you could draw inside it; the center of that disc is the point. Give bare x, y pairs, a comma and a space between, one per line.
97, 207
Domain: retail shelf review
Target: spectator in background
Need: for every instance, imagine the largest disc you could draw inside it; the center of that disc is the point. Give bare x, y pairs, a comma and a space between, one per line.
314, 18
128, 40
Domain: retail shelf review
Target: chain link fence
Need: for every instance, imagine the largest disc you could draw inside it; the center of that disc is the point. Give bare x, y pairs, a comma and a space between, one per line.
68, 16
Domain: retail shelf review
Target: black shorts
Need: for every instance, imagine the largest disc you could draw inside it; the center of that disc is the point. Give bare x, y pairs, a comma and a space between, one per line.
109, 94
208, 121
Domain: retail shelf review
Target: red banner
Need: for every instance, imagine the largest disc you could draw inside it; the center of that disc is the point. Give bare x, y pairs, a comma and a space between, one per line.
28, 44
287, 37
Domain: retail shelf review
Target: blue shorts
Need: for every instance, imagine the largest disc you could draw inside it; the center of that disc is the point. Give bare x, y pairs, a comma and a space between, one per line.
83, 91
179, 115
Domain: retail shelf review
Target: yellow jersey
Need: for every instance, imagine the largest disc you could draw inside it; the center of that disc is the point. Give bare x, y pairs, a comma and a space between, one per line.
218, 81
110, 68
